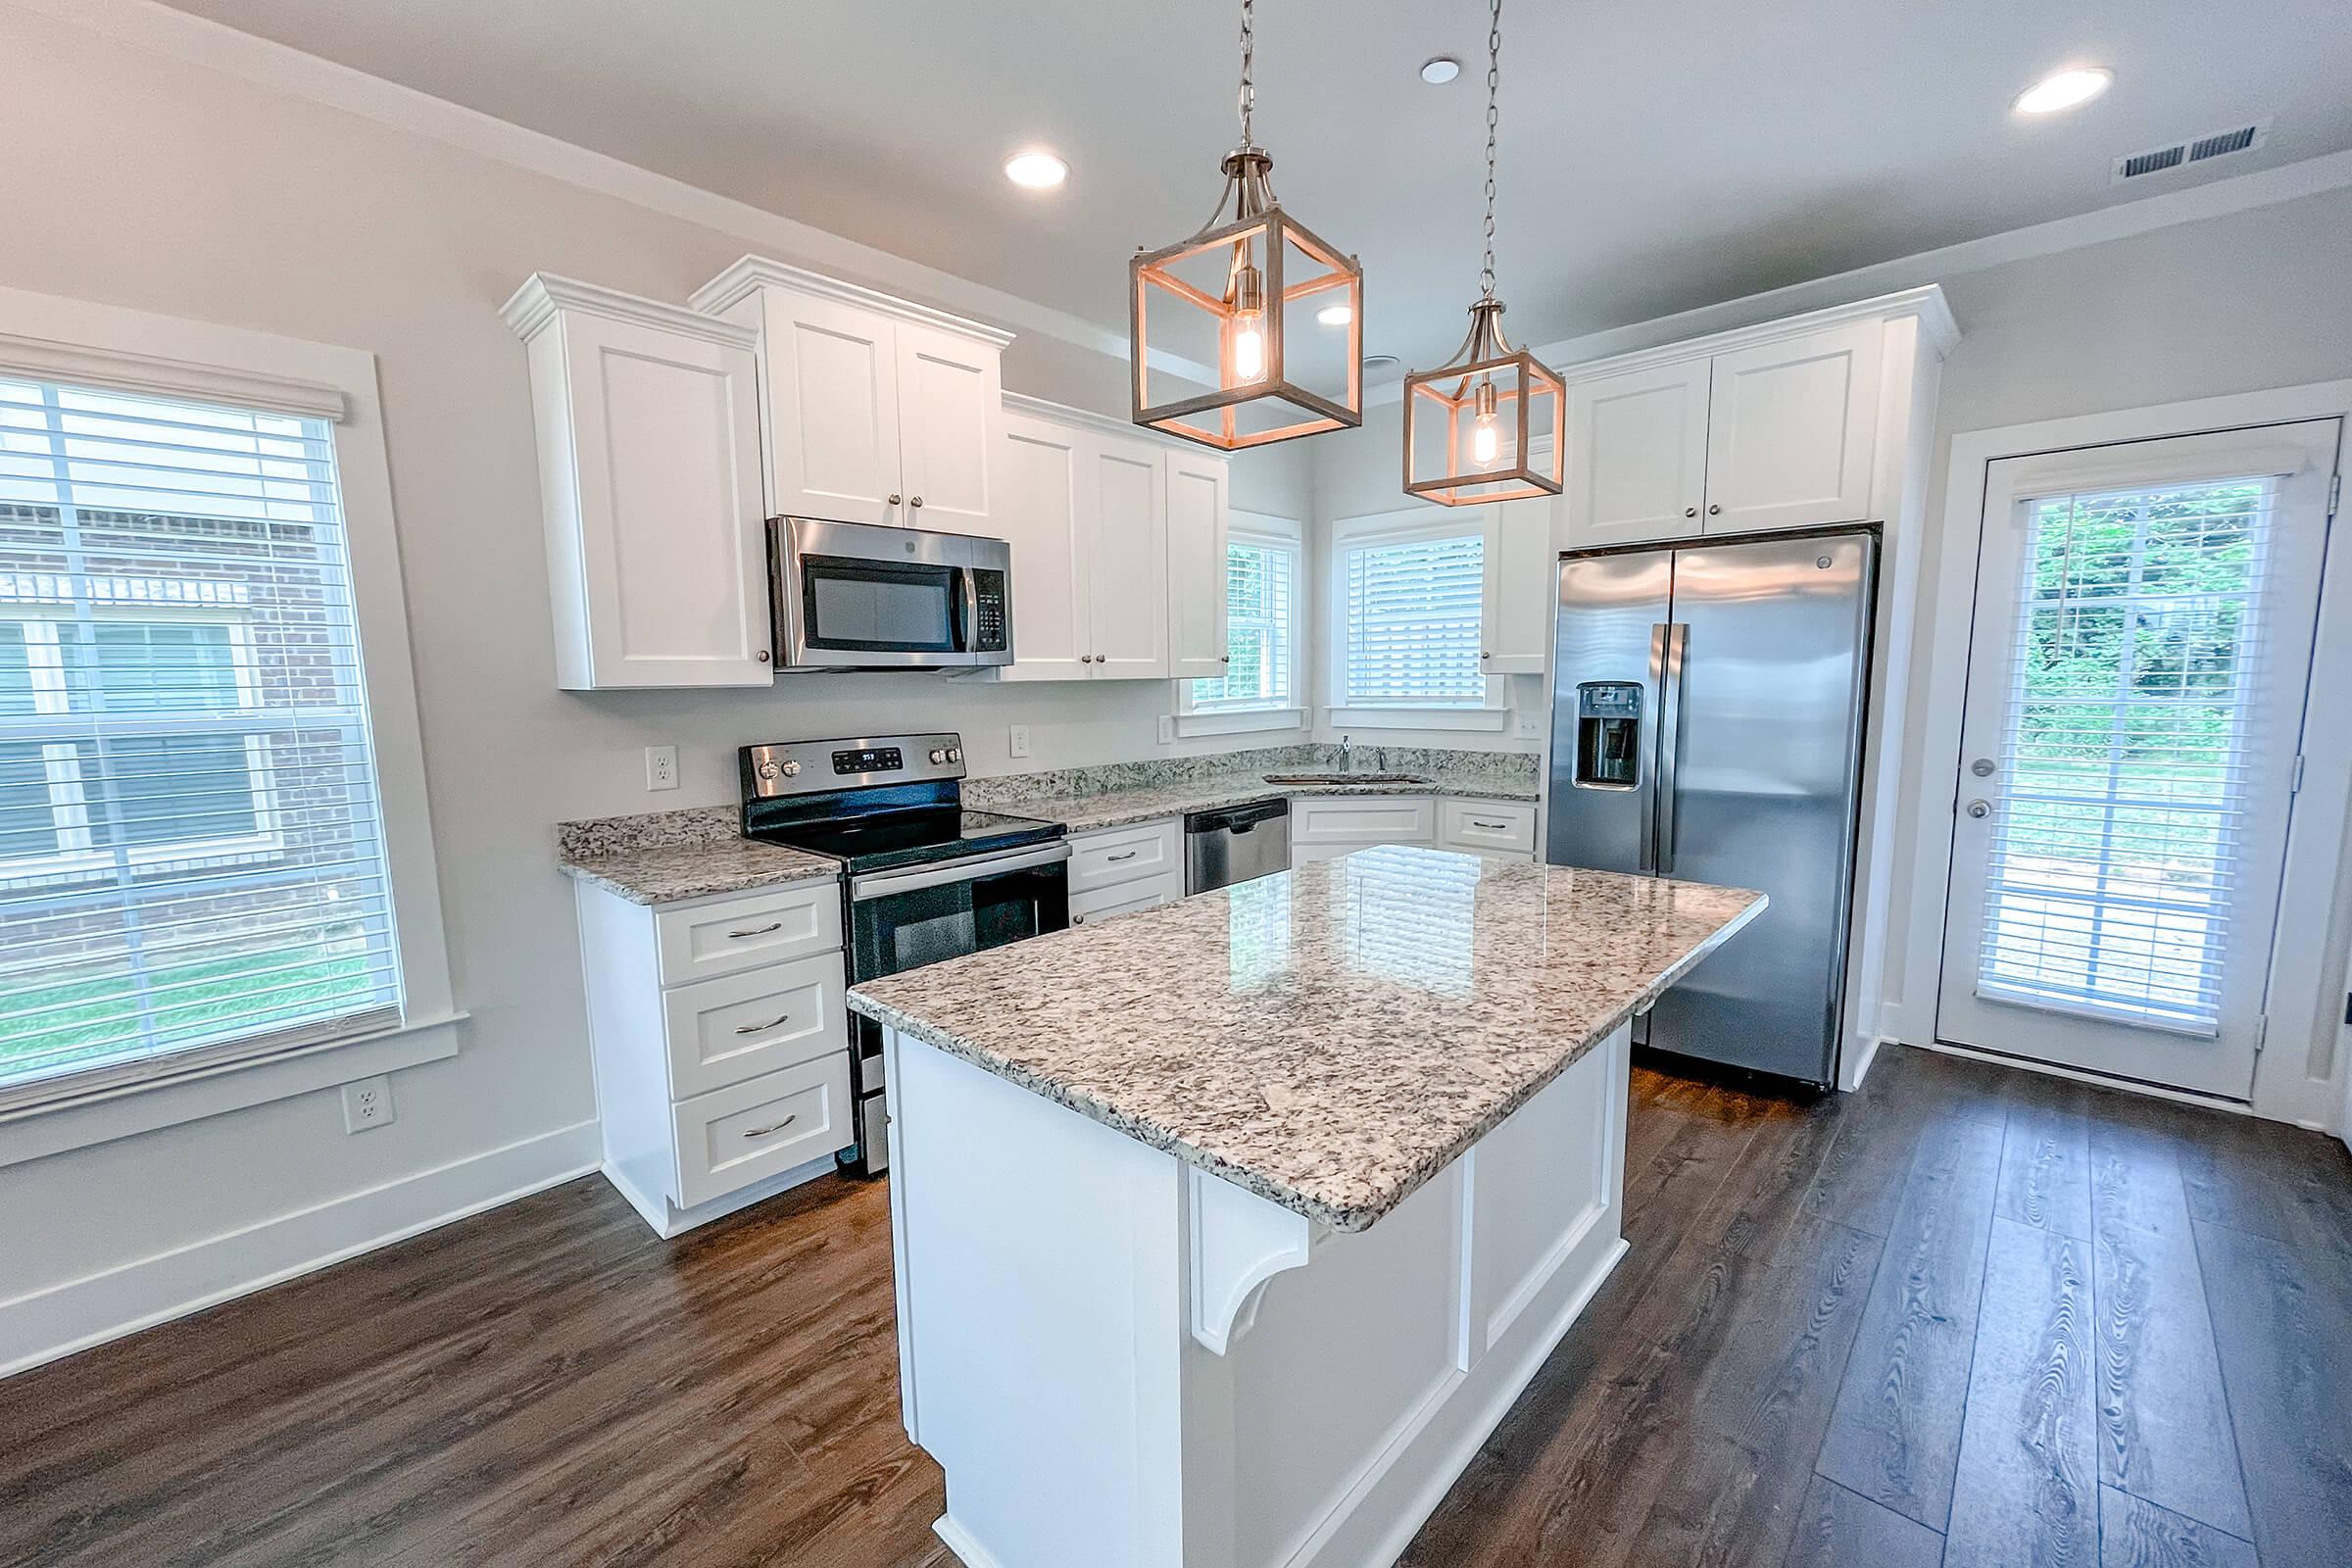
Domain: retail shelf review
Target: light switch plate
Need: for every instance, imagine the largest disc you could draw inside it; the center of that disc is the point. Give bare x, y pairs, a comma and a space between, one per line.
1531, 726
660, 768
1167, 728
1016, 741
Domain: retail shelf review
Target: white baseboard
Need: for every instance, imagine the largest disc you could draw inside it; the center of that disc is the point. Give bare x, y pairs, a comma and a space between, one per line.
60, 1319
667, 1220
1851, 1073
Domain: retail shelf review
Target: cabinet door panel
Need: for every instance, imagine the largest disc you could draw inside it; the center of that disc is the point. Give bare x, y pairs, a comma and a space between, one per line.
1791, 431
833, 409
664, 438
1637, 456
1127, 555
1199, 515
1522, 568
1045, 521
951, 429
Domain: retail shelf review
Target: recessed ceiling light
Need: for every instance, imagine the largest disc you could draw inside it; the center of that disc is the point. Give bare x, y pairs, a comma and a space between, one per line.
1380, 362
1441, 70
1036, 171
2064, 89
1335, 315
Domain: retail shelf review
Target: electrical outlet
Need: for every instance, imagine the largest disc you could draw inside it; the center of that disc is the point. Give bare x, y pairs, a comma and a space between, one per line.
1167, 728
368, 1104
1016, 741
660, 768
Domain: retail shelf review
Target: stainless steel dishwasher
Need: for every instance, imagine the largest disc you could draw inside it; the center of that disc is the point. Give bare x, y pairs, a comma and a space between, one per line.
1235, 843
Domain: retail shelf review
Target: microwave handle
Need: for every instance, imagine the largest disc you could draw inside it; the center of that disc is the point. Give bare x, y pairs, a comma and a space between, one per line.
967, 600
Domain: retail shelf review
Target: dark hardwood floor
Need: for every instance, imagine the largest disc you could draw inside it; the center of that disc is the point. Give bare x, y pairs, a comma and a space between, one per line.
1968, 1316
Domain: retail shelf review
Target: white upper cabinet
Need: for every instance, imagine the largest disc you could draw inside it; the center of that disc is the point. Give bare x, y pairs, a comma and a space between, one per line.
1791, 428
1199, 513
1637, 455
879, 411
1522, 574
1127, 589
648, 424
1771, 427
1046, 521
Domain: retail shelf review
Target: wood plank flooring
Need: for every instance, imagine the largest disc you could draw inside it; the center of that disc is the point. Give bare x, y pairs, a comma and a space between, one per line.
1967, 1317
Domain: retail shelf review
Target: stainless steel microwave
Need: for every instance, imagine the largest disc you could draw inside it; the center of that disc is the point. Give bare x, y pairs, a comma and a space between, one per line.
851, 596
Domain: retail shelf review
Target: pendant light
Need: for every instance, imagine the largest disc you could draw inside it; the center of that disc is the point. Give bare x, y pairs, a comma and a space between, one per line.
1478, 428
1278, 314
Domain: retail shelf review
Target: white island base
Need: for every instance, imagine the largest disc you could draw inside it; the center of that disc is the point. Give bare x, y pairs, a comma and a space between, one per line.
1118, 1358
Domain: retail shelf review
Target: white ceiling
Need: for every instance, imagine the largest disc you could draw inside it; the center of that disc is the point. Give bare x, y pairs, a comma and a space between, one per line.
1656, 156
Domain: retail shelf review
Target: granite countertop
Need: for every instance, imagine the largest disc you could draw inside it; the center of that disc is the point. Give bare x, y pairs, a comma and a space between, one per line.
1328, 1037
668, 855
1121, 806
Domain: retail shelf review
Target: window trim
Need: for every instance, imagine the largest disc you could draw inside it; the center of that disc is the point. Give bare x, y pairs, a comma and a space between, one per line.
1414, 526
1271, 531
49, 337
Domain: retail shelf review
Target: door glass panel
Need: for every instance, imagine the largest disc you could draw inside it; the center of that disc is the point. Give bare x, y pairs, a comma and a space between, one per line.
2124, 753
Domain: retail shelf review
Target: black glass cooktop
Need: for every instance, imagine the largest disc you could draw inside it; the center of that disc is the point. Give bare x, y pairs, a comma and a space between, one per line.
874, 840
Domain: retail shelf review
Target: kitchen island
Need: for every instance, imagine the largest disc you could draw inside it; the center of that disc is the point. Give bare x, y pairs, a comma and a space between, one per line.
1226, 1231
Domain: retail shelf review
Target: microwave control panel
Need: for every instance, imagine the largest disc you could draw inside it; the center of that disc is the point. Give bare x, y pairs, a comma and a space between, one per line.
987, 596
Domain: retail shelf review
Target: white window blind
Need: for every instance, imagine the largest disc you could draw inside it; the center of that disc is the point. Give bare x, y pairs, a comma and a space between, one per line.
1413, 628
2126, 752
1260, 632
191, 850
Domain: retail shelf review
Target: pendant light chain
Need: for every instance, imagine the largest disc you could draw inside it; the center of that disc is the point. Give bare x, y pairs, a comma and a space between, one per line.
1485, 274
1249, 59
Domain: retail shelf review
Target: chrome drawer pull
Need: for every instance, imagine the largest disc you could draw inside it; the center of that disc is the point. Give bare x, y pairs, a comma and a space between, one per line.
1475, 822
762, 1132
1129, 855
758, 930
777, 1022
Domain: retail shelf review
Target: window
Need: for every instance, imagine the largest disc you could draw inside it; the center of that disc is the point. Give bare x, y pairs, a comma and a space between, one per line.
1411, 614
1261, 577
192, 854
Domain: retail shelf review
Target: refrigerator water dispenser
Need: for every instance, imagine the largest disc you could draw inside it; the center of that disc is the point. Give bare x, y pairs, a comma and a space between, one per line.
1608, 735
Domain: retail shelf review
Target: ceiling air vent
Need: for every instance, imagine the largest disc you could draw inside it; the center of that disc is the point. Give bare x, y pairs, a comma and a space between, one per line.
2195, 150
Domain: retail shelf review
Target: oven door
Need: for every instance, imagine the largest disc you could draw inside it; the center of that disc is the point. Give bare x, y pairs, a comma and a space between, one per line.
853, 597
902, 920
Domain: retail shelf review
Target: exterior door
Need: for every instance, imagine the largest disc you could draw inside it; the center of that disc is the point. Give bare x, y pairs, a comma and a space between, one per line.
951, 429
1792, 430
2138, 675
1637, 456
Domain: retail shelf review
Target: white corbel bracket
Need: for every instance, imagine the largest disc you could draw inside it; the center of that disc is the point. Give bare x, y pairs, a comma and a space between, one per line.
1239, 1242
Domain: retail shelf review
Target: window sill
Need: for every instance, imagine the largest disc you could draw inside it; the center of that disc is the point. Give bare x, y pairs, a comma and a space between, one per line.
1459, 718
1240, 720
124, 1110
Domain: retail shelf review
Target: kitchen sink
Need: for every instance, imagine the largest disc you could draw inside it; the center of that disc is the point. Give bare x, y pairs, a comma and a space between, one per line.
1346, 778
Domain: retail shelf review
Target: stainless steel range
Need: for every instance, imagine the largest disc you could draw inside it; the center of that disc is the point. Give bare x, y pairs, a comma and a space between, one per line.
922, 878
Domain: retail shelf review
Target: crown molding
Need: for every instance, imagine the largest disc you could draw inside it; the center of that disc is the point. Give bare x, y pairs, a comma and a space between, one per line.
754, 272
1926, 303
1103, 424
543, 294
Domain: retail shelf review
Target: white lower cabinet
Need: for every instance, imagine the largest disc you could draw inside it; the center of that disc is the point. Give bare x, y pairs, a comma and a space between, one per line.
1118, 870
1325, 829
722, 1043
1505, 829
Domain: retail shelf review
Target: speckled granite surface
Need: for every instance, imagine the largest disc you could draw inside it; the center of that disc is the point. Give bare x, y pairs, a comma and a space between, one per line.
665, 855
1116, 808
1330, 1038
1121, 793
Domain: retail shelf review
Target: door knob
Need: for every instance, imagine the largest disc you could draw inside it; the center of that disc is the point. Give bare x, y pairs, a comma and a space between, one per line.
1980, 808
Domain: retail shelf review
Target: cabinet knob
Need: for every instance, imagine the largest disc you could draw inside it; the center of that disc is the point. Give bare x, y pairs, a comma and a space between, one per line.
916, 501
1486, 655
763, 656
896, 498
1690, 512
1086, 658
1224, 658
1714, 508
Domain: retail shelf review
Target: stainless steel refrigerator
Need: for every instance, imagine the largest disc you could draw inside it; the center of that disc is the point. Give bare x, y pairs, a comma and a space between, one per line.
1707, 725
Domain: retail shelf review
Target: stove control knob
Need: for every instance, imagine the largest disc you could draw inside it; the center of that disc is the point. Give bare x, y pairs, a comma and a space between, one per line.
768, 771
791, 770
938, 755
954, 754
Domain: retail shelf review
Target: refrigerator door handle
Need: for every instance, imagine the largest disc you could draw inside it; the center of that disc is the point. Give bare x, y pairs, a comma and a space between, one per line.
1669, 658
1660, 634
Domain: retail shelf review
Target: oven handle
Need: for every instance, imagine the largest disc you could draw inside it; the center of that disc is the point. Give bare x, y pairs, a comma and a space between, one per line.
882, 884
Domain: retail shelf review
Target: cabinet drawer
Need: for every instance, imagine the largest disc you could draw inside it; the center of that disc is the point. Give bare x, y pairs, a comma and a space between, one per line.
695, 940
748, 1132
1092, 909
1487, 827
1118, 855
723, 1030
1362, 820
